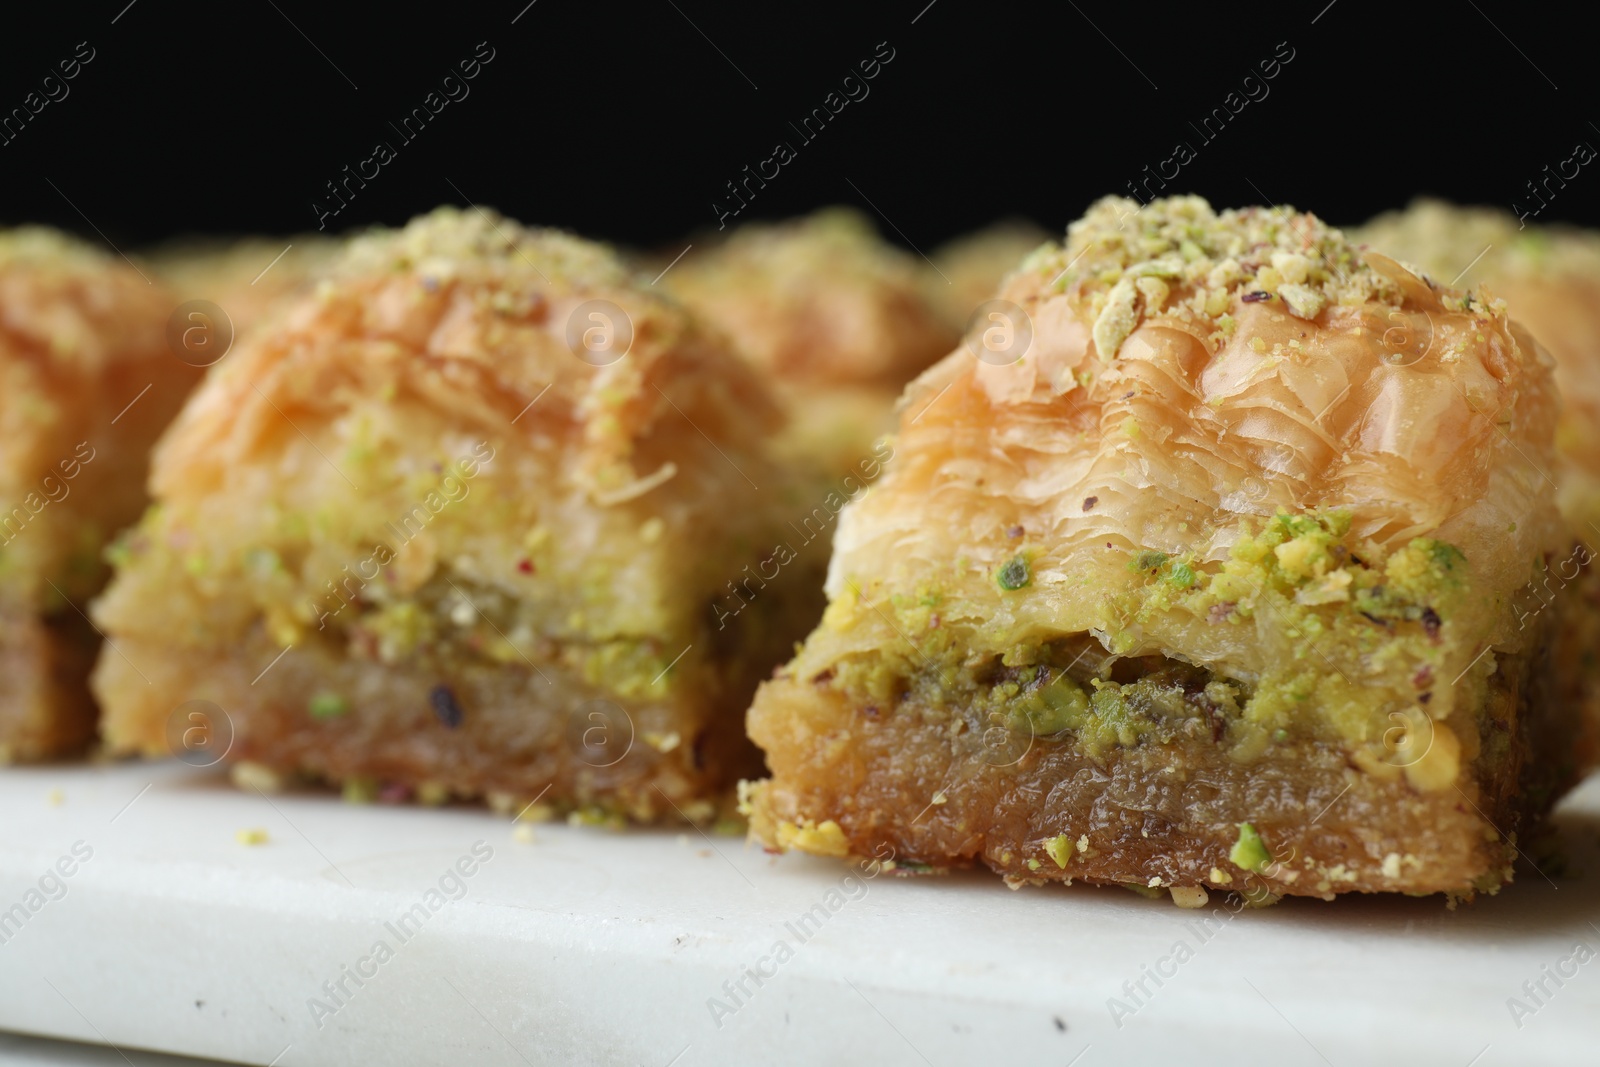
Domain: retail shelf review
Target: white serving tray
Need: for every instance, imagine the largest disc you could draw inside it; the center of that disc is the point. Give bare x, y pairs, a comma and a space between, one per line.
587, 946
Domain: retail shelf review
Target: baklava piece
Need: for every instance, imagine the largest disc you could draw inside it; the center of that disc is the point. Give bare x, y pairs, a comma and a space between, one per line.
247, 278
833, 317
458, 524
1549, 277
969, 269
1210, 589
86, 384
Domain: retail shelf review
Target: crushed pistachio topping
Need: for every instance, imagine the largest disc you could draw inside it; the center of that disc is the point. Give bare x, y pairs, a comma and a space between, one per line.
1249, 852
1180, 257
450, 241
251, 836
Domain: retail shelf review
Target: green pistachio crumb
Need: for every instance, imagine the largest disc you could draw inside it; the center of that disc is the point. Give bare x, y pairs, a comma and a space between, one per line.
432, 794
119, 553
596, 816
263, 562
1249, 852
1446, 557
327, 706
1014, 574
1147, 561
1059, 848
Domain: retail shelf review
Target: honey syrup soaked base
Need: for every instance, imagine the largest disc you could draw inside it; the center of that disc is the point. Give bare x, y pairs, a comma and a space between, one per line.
1174, 811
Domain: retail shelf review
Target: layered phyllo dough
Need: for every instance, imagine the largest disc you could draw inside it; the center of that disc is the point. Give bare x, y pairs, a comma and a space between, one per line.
87, 382
456, 524
1549, 277
834, 318
1211, 589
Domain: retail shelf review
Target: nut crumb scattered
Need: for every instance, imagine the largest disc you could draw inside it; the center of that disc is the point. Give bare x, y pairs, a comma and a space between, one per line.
248, 776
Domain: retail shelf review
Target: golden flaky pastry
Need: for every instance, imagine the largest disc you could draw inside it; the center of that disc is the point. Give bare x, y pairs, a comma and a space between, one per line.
453, 524
1549, 277
1210, 588
86, 384
835, 319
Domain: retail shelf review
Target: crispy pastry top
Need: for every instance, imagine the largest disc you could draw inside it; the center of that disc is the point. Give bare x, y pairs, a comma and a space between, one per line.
66, 305
470, 313
1550, 279
821, 300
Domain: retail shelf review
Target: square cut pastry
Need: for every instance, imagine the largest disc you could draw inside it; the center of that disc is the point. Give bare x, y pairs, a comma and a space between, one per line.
833, 317
1210, 589
453, 525
86, 384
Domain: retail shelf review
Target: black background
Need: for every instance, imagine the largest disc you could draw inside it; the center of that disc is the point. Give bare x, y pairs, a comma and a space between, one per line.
624, 121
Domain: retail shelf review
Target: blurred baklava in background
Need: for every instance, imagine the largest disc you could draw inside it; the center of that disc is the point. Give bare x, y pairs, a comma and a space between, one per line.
87, 382
1549, 277
248, 277
456, 524
968, 270
1210, 588
835, 319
